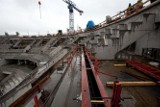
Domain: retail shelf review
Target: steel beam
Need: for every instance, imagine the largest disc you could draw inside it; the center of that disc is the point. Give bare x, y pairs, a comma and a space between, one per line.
148, 70
103, 93
85, 87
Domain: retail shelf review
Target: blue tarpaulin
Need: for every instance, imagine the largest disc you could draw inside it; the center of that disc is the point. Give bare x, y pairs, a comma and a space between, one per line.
90, 24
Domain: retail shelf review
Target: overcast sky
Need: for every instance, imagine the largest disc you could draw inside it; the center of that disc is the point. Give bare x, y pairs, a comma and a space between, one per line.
23, 15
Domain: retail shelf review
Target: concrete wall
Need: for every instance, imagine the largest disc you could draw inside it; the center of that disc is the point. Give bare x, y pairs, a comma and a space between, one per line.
3, 62
141, 29
150, 40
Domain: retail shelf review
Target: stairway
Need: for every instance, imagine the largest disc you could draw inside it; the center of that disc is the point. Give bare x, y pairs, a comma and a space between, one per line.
11, 82
48, 44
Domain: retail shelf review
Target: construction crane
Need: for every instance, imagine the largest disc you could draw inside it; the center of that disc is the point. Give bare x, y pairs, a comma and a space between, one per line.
72, 6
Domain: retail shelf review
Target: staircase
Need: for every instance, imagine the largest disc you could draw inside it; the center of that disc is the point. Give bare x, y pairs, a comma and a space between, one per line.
11, 81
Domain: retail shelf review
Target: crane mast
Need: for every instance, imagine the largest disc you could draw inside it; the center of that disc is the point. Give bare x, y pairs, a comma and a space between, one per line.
72, 6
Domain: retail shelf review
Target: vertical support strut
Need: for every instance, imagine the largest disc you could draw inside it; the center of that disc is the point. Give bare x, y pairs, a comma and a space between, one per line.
116, 94
36, 101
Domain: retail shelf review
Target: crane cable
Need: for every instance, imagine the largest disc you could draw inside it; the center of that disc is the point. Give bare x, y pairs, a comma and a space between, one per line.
39, 3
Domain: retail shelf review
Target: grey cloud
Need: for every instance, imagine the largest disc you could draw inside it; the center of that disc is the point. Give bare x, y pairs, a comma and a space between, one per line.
23, 15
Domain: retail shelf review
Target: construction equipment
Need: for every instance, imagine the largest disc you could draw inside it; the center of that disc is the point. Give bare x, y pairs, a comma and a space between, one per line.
72, 6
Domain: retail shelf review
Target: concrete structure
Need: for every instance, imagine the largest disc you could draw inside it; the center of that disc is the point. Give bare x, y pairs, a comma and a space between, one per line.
23, 60
26, 61
141, 28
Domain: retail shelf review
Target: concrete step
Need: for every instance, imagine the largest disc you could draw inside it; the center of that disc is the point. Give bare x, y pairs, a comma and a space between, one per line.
55, 51
22, 76
19, 78
3, 90
15, 80
11, 83
51, 41
7, 86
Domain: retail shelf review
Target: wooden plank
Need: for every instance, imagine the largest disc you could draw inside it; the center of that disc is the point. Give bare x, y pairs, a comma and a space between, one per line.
97, 101
119, 65
135, 83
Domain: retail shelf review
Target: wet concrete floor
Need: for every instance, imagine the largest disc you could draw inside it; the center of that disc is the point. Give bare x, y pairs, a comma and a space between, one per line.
70, 87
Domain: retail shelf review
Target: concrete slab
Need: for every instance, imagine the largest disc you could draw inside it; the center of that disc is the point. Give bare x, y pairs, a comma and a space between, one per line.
70, 87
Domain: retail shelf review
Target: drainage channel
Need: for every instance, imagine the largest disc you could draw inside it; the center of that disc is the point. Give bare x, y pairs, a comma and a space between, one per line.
93, 87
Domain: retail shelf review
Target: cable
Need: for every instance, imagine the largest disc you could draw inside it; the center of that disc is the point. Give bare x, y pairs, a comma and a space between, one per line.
39, 3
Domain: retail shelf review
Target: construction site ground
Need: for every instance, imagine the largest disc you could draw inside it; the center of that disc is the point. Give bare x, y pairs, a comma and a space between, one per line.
137, 96
65, 90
